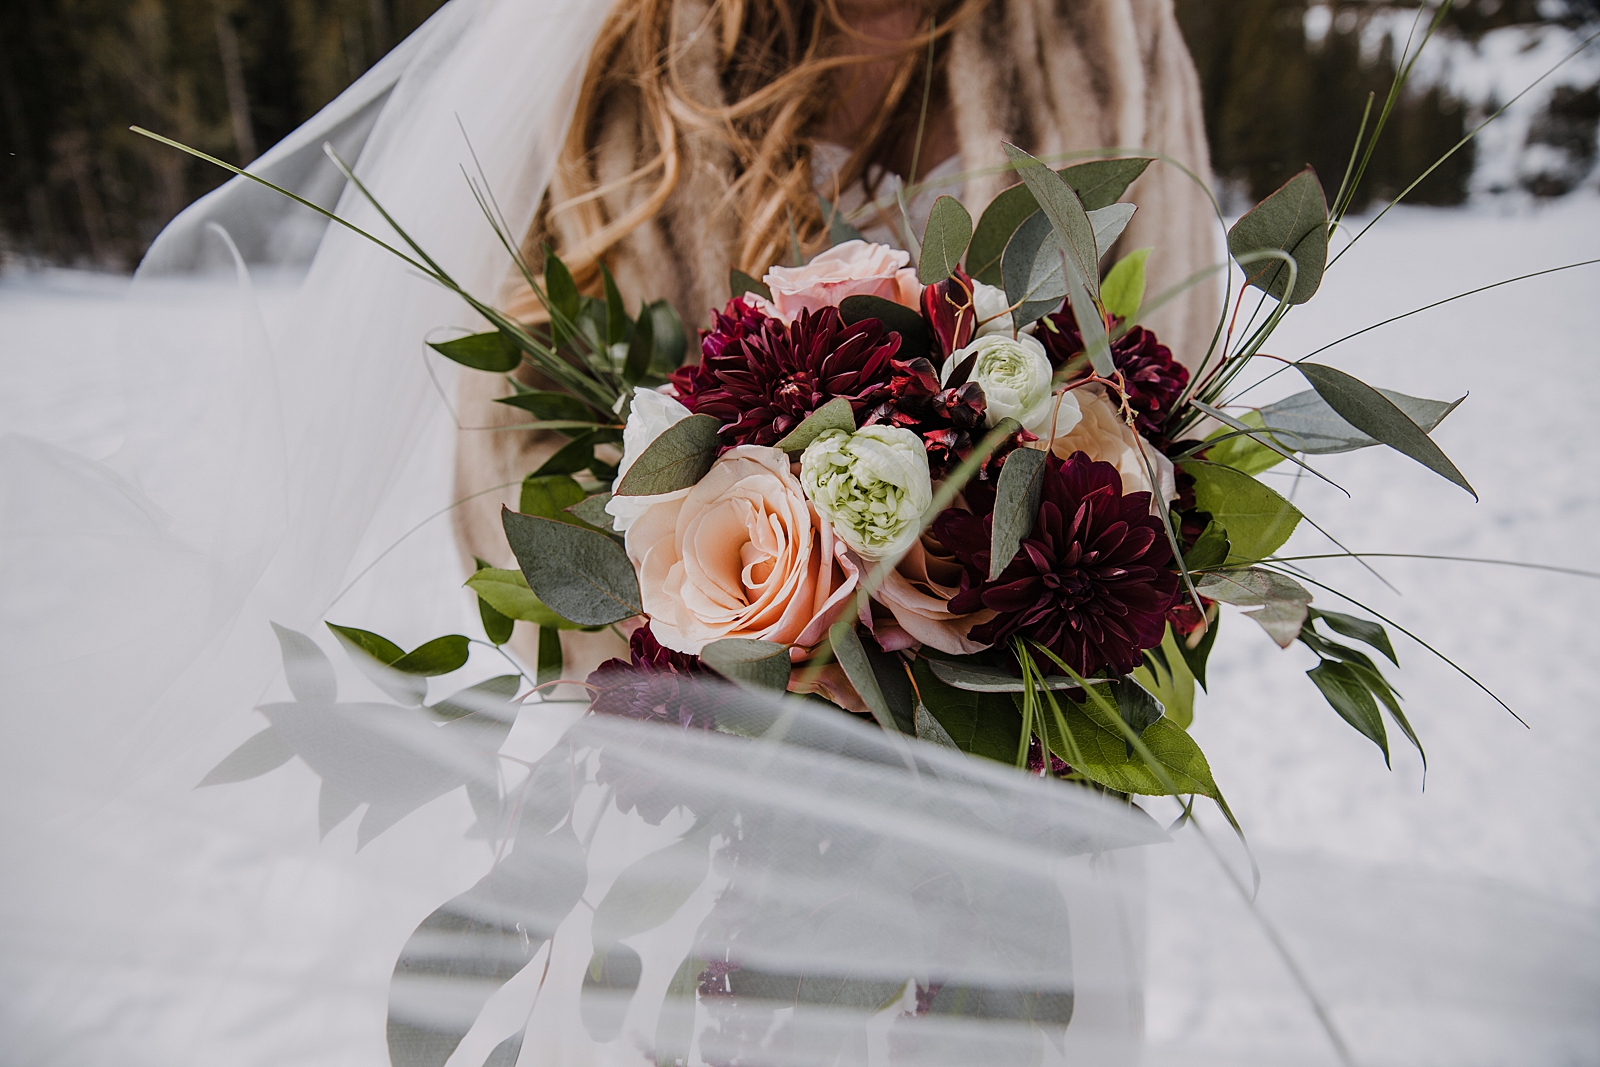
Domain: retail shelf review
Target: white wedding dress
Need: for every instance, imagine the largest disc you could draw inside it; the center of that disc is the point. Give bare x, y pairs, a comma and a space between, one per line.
284, 452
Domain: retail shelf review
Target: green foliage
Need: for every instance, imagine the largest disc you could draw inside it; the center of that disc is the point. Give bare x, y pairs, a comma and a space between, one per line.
1210, 548
549, 495
1344, 690
592, 512
1031, 271
397, 672
507, 592
669, 344
551, 662
1306, 422
565, 301
1166, 674
581, 575
836, 414
677, 459
915, 340
1279, 603
1094, 732
879, 677
1243, 452
1376, 415
974, 677
492, 351
1352, 683
1016, 505
760, 665
944, 241
1258, 519
983, 724
497, 626
641, 348
552, 407
1122, 291
741, 283
1293, 219
839, 228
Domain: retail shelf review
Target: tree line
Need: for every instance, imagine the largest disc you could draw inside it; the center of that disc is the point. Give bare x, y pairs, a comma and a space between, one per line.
234, 76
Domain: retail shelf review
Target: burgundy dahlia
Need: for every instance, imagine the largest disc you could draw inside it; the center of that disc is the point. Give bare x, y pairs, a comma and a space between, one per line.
1154, 379
656, 684
1092, 581
949, 420
761, 378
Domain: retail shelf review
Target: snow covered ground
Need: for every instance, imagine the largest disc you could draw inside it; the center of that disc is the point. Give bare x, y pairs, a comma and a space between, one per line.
1509, 822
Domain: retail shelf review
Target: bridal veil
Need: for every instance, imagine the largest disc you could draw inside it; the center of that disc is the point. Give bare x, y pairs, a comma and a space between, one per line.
832, 896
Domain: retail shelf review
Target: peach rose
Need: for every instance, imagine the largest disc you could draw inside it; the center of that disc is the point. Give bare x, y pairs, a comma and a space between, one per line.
854, 268
1103, 435
742, 555
917, 594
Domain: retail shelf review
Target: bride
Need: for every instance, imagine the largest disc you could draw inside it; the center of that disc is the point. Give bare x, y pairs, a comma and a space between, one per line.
292, 454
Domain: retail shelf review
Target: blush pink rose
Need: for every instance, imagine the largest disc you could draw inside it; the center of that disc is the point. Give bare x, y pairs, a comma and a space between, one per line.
1102, 433
917, 594
742, 555
854, 268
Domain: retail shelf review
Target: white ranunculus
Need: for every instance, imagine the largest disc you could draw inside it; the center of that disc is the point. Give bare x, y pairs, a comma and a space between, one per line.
993, 310
871, 486
648, 418
1015, 375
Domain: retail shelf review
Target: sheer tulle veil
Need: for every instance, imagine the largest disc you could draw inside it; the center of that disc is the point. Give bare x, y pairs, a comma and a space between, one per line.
285, 458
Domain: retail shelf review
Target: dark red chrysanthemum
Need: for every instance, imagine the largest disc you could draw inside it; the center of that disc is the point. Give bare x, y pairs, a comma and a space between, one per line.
760, 378
1092, 581
655, 684
949, 421
1154, 379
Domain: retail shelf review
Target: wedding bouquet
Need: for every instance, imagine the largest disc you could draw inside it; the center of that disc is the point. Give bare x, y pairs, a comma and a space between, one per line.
972, 499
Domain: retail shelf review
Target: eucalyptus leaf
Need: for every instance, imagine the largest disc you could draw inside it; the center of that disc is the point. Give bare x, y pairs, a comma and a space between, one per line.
475, 943
836, 414
306, 667
592, 510
1122, 289
944, 241
1280, 604
507, 592
653, 889
1307, 422
1108, 223
549, 495
931, 730
1376, 415
982, 724
915, 340
581, 575
1347, 693
373, 653
491, 351
740, 283
1099, 184
760, 665
552, 662
1258, 519
265, 751
677, 459
1031, 271
1293, 219
1263, 438
1067, 216
1016, 505
978, 678
839, 228
608, 987
891, 704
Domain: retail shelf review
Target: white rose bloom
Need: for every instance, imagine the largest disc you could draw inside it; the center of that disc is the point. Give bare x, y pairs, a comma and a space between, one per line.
993, 310
648, 418
1015, 375
871, 486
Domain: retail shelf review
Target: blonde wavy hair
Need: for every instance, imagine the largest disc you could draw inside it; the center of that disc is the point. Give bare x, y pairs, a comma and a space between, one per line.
779, 69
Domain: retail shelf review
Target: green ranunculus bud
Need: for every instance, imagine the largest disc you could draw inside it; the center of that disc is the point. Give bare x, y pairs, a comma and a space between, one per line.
871, 486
